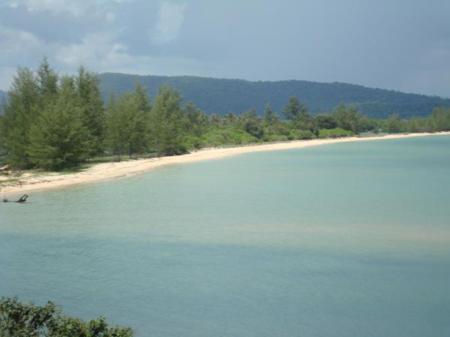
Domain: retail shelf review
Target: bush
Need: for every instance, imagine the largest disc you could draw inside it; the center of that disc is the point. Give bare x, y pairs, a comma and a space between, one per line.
27, 320
227, 136
300, 135
334, 133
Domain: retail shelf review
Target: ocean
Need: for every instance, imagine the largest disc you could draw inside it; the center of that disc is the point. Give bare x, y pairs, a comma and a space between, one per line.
341, 240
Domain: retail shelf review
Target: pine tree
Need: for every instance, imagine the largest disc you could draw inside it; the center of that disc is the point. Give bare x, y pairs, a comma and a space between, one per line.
93, 115
167, 123
128, 123
47, 81
116, 133
297, 113
196, 120
21, 111
58, 139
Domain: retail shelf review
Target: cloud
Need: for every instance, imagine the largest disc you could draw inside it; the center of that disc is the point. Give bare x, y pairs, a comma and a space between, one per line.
97, 50
252, 39
76, 8
102, 53
170, 20
19, 48
13, 40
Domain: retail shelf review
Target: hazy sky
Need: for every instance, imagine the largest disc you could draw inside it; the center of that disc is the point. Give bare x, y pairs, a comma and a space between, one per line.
395, 44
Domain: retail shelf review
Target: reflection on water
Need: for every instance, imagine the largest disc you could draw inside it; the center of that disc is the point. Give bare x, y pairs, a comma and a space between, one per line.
342, 240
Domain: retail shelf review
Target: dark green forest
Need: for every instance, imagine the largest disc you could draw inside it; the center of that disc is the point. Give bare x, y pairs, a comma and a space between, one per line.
57, 122
222, 96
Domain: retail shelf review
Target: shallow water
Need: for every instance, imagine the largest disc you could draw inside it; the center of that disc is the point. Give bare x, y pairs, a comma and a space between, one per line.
339, 240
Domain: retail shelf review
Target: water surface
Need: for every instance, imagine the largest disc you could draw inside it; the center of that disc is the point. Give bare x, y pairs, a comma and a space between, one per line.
336, 241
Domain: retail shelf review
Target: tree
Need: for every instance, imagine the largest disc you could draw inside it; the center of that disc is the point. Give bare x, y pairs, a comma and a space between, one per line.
252, 124
58, 138
47, 81
270, 117
28, 320
326, 122
116, 133
297, 113
440, 119
127, 123
167, 122
92, 110
394, 124
21, 111
196, 120
348, 118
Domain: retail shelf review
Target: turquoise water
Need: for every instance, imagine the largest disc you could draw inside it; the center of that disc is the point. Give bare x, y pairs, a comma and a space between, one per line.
336, 241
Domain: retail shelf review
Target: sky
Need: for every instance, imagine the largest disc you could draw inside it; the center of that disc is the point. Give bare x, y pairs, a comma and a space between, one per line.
394, 44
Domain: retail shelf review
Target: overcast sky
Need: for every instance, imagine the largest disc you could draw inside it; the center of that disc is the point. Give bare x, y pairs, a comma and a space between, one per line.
394, 44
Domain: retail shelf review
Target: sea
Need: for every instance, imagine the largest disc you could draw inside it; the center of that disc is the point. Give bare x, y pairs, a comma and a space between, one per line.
339, 240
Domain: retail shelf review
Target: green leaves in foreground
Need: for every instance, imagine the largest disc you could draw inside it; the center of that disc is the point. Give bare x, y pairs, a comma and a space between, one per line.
27, 320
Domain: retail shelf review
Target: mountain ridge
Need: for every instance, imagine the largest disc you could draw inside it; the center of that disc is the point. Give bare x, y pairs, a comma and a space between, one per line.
214, 95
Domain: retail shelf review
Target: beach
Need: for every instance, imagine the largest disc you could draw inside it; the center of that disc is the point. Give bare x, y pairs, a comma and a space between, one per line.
37, 181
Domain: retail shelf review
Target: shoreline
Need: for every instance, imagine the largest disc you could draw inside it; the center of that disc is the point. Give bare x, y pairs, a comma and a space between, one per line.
112, 170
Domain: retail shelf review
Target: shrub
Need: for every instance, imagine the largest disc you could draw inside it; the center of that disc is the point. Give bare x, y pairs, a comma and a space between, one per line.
28, 320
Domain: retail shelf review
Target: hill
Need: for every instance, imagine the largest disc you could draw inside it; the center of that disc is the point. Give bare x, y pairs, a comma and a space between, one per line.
227, 95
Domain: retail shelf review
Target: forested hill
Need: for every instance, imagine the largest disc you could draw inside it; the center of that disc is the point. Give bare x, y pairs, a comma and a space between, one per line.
223, 95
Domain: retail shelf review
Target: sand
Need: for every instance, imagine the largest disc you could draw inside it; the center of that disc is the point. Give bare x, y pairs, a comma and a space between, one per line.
33, 181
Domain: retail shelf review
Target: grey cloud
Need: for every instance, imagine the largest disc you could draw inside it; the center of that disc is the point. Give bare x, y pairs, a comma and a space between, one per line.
403, 44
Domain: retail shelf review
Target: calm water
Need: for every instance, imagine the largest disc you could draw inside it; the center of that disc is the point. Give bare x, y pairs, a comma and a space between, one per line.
336, 241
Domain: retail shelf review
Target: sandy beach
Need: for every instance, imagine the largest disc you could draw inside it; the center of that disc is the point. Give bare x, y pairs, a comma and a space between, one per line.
34, 181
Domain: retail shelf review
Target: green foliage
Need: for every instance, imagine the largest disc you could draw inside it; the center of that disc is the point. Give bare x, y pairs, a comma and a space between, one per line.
58, 138
252, 124
167, 123
394, 124
349, 118
28, 320
326, 122
196, 122
92, 110
47, 81
301, 134
440, 119
270, 117
335, 133
20, 113
219, 136
127, 124
54, 122
297, 113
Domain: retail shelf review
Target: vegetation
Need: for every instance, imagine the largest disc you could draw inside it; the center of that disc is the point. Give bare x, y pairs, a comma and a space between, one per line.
28, 320
222, 96
56, 122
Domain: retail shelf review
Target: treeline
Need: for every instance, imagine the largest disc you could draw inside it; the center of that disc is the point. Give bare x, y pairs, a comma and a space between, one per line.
27, 320
56, 122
